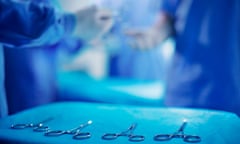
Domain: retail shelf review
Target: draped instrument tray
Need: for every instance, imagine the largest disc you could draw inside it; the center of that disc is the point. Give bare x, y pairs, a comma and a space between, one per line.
214, 127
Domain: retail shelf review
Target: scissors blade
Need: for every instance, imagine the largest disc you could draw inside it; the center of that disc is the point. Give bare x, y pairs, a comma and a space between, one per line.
86, 124
22, 126
133, 126
80, 127
130, 130
181, 129
19, 126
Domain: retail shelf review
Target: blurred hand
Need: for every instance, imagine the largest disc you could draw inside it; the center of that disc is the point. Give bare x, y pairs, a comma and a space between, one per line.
145, 39
93, 23
151, 37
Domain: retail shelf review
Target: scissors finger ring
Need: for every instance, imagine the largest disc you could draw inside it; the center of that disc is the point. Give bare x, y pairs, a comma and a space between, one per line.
82, 135
162, 137
192, 139
110, 136
136, 138
55, 133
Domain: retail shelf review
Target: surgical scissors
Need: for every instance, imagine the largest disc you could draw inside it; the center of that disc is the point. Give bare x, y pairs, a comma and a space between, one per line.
38, 127
76, 132
179, 134
128, 133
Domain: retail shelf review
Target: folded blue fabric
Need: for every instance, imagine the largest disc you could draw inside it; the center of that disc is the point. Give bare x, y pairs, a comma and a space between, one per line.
214, 127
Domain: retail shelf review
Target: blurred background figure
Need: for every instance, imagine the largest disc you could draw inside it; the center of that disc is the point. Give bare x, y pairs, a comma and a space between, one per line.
205, 71
92, 59
127, 62
21, 24
109, 70
31, 72
133, 52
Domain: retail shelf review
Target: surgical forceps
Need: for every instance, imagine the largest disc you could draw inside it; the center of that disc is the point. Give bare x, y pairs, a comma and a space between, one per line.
76, 132
38, 127
179, 134
128, 133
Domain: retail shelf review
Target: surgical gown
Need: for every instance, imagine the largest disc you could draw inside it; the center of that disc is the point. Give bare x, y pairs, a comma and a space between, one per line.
205, 72
27, 24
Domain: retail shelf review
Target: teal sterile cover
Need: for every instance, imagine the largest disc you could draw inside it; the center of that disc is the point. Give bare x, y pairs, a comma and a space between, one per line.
76, 86
214, 127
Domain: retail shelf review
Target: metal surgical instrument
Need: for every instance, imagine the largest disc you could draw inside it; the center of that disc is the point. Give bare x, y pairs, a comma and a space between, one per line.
179, 134
38, 127
128, 133
76, 132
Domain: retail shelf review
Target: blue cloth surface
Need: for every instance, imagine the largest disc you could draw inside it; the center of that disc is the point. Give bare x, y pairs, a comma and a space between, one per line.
214, 127
80, 87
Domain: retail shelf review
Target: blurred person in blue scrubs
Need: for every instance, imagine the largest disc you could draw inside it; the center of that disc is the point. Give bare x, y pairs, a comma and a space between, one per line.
205, 71
21, 24
34, 24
